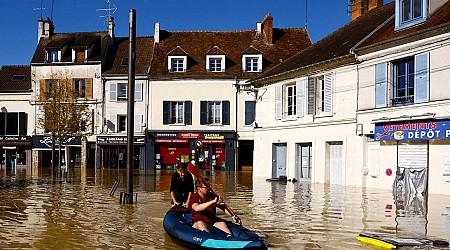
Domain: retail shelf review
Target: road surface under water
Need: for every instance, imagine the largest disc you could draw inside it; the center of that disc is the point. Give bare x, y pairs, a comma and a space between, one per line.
78, 212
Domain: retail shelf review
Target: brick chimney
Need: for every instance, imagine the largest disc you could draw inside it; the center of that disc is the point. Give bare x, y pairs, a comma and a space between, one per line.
359, 7
45, 28
111, 27
157, 31
267, 27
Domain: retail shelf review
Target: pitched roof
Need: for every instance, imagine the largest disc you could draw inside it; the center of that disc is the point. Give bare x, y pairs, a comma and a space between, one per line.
99, 40
197, 44
437, 23
20, 83
119, 52
336, 46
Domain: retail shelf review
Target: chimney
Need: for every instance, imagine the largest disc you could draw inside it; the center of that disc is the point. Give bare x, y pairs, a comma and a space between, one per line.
359, 7
267, 27
156, 36
40, 28
48, 28
111, 27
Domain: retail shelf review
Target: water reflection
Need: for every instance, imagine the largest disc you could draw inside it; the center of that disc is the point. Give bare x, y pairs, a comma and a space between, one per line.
79, 213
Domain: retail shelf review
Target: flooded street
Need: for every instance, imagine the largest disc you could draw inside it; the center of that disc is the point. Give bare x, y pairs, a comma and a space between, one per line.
79, 213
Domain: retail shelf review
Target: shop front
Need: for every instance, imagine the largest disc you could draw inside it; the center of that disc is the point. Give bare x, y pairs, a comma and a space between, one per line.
15, 151
422, 154
210, 150
112, 152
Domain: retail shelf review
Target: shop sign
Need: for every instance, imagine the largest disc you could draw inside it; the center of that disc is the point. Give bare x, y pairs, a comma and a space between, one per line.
171, 141
118, 140
214, 136
190, 135
45, 141
166, 135
213, 141
413, 130
15, 138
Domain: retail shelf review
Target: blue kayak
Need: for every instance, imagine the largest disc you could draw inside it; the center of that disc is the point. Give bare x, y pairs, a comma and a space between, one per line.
176, 223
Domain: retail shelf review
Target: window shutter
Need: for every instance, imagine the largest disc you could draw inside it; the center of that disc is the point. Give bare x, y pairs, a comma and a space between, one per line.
188, 113
300, 97
112, 123
328, 92
226, 112
23, 123
137, 123
311, 96
381, 85
89, 92
249, 112
278, 102
42, 89
113, 92
138, 92
166, 112
203, 112
421, 78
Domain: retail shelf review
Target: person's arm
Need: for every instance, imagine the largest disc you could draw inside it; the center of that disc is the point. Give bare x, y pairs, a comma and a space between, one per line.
203, 206
173, 185
221, 205
175, 202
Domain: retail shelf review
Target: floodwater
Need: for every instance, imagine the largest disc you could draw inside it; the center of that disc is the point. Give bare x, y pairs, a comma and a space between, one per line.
78, 212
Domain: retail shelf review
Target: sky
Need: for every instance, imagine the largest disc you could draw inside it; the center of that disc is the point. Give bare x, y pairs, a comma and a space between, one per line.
18, 18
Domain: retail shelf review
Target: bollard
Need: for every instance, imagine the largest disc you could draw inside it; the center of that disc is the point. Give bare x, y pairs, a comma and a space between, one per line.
124, 196
114, 188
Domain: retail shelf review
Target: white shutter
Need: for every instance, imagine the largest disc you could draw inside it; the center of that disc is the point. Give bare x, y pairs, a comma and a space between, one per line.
328, 93
138, 92
113, 91
421, 78
300, 102
138, 123
278, 102
381, 86
112, 123
413, 155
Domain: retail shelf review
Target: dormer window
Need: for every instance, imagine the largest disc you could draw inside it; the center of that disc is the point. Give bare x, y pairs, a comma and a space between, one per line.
177, 63
410, 12
215, 63
78, 55
252, 63
54, 56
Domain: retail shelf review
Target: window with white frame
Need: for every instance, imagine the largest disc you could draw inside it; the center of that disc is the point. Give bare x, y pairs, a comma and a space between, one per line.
53, 56
177, 63
79, 88
121, 123
50, 87
410, 78
289, 100
215, 63
177, 112
252, 63
215, 113
13, 123
118, 123
119, 91
319, 94
291, 105
410, 12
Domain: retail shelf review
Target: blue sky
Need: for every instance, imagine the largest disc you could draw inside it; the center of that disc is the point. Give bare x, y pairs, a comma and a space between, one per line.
18, 18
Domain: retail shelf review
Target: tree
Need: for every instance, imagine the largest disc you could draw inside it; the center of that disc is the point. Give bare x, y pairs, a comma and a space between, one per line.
64, 112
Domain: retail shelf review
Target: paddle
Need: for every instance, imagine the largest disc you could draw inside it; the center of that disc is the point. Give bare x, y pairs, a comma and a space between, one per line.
194, 170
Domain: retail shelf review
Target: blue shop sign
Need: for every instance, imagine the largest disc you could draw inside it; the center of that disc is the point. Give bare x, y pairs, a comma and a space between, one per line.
413, 130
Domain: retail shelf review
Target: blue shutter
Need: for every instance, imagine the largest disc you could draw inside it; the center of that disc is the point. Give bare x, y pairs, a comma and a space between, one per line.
300, 97
166, 112
188, 113
23, 123
421, 78
138, 92
249, 112
113, 91
278, 102
381, 85
203, 112
226, 112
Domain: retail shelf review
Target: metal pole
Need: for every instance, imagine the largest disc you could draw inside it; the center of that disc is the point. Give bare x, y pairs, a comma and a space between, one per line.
130, 107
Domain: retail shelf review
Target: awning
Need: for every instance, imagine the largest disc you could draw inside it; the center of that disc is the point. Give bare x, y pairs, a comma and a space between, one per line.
16, 144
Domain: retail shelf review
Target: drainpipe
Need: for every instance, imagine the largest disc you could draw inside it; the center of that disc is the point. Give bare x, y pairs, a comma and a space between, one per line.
236, 125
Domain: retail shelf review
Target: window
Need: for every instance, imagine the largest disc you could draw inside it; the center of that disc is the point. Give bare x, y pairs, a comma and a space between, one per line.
249, 112
410, 77
252, 63
13, 123
215, 63
320, 94
403, 82
79, 55
289, 100
215, 112
53, 56
177, 63
124, 62
50, 87
121, 123
119, 91
18, 78
177, 112
79, 88
291, 97
410, 12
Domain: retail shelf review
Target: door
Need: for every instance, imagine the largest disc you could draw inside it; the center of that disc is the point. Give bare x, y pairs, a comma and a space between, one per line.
303, 161
335, 162
279, 155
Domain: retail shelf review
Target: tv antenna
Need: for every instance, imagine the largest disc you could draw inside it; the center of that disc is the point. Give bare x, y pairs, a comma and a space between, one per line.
40, 8
109, 11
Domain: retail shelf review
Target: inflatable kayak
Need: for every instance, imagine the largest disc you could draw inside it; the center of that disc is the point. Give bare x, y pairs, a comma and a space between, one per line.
398, 242
176, 224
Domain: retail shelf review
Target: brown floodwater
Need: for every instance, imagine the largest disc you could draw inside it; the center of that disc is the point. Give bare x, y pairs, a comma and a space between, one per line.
78, 212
